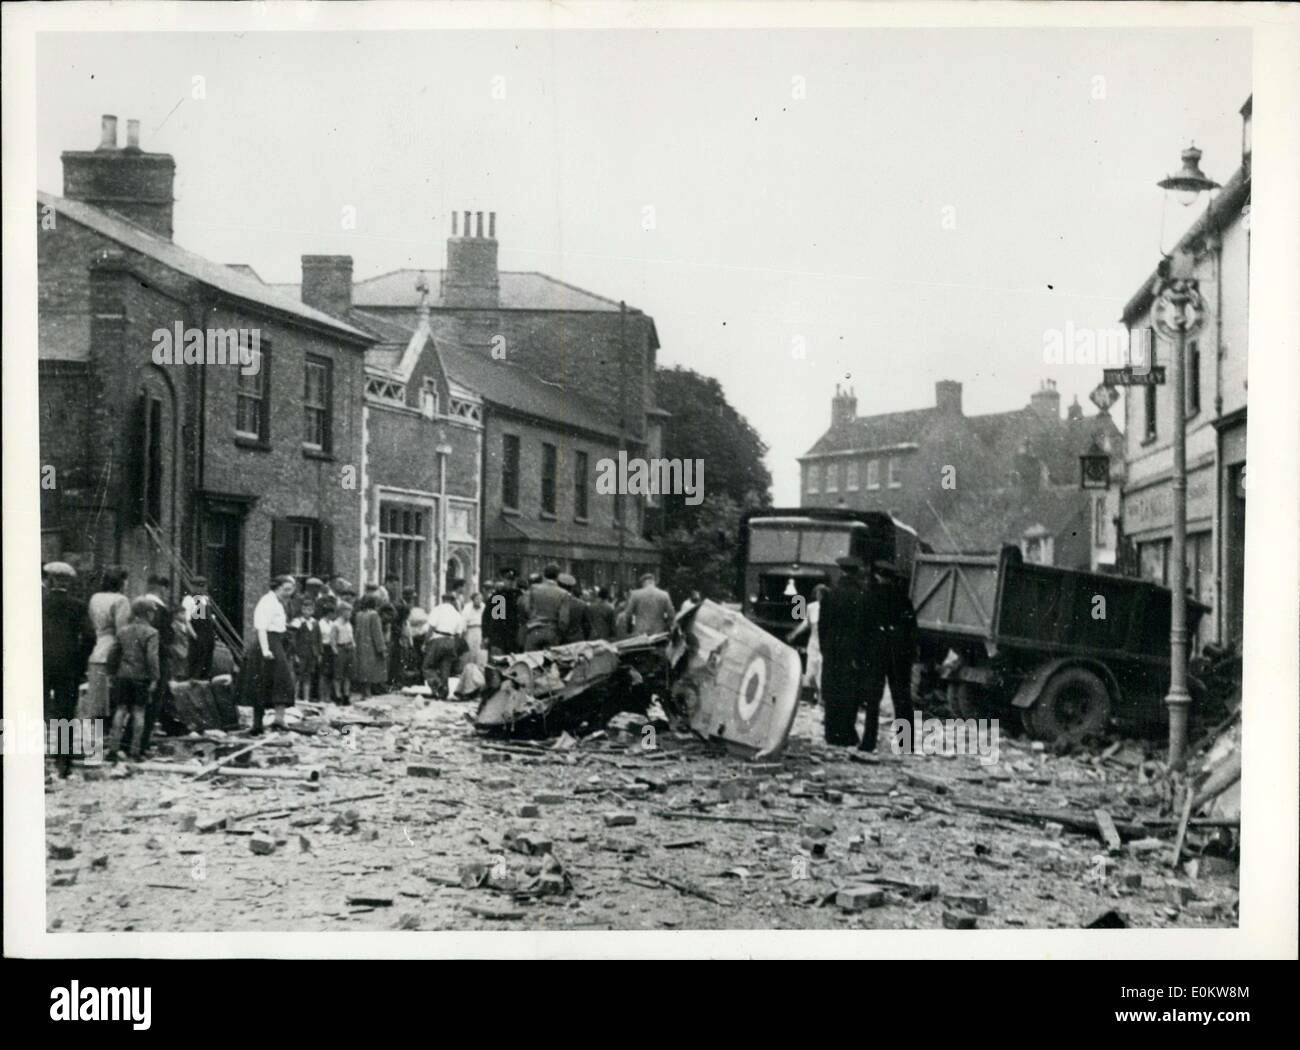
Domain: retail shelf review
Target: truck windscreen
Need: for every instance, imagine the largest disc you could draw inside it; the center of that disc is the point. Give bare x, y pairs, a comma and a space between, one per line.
785, 546
774, 546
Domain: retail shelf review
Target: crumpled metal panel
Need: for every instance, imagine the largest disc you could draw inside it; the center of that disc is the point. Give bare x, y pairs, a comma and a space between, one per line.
740, 684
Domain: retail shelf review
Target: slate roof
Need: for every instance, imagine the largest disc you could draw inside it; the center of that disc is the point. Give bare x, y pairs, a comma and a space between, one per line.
986, 520
233, 281
873, 432
519, 290
1056, 443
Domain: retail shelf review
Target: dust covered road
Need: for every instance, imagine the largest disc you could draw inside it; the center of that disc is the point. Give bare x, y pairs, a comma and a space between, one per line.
418, 823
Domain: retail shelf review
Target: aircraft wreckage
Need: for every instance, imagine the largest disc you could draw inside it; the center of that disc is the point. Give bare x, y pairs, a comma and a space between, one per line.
715, 673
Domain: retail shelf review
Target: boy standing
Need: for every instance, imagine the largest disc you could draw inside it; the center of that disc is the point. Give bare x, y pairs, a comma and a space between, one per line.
138, 675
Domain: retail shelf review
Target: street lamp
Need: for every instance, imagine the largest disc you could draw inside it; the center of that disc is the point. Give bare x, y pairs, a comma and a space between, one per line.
1177, 314
1190, 181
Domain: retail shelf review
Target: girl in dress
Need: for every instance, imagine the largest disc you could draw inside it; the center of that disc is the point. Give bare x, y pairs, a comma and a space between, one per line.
473, 614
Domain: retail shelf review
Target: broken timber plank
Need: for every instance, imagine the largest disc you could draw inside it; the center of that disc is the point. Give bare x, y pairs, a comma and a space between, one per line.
689, 889
669, 814
230, 758
305, 805
1106, 827
1177, 853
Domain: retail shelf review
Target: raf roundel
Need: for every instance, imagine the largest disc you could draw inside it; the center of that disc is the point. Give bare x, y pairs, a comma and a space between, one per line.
752, 688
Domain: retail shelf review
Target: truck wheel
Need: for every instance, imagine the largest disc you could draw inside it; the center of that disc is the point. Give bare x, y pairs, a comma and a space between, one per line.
966, 700
1075, 705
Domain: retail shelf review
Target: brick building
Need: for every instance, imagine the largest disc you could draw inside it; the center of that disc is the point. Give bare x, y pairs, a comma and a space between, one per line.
197, 463
1214, 417
972, 482
543, 380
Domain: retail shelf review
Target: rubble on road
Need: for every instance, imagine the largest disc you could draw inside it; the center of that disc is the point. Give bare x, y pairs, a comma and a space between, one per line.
420, 821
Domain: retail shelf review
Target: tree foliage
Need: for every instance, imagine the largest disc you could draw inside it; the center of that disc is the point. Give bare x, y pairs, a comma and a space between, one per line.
699, 541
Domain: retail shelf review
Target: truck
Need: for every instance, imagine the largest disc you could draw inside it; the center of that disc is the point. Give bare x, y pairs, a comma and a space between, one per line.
784, 553
1064, 651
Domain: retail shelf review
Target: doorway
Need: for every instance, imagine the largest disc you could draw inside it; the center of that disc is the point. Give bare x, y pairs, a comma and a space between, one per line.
223, 563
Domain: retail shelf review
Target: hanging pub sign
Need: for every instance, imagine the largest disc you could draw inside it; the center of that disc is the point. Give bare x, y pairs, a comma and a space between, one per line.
1094, 468
1153, 376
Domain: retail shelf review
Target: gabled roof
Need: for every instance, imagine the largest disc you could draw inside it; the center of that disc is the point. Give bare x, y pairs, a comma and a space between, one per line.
391, 340
499, 382
519, 290
230, 280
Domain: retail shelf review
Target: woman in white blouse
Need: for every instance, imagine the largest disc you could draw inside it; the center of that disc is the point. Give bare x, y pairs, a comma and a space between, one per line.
267, 672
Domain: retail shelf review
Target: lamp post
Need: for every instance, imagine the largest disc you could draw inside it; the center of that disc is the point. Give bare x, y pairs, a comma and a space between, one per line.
1177, 313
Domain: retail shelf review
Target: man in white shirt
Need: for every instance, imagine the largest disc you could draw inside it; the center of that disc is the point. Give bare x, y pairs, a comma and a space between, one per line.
444, 645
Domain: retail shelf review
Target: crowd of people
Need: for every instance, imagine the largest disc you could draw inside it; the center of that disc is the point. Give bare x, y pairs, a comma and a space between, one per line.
323, 642
114, 658
552, 608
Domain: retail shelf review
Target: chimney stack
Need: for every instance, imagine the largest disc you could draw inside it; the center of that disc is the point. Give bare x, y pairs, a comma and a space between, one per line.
844, 406
471, 278
947, 397
327, 283
1046, 401
136, 185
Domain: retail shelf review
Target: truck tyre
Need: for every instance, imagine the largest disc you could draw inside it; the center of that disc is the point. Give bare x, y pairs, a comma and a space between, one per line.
1075, 705
968, 701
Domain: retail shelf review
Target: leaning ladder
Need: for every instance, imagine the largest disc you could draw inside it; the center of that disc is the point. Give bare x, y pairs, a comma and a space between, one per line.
224, 628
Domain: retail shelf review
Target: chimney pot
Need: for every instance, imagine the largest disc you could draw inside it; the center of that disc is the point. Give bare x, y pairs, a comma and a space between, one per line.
136, 185
471, 278
132, 134
492, 225
455, 221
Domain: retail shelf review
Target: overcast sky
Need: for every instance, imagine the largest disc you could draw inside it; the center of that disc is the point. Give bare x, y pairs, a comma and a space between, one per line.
827, 219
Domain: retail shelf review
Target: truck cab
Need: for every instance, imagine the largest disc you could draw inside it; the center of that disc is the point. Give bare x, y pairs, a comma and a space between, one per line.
787, 553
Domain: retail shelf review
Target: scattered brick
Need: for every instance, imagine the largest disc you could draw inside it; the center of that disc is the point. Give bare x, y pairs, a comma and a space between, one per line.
859, 898
956, 921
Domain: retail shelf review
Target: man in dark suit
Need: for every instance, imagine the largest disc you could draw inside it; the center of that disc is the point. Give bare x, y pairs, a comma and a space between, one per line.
898, 648
65, 644
203, 624
847, 629
579, 623
501, 617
